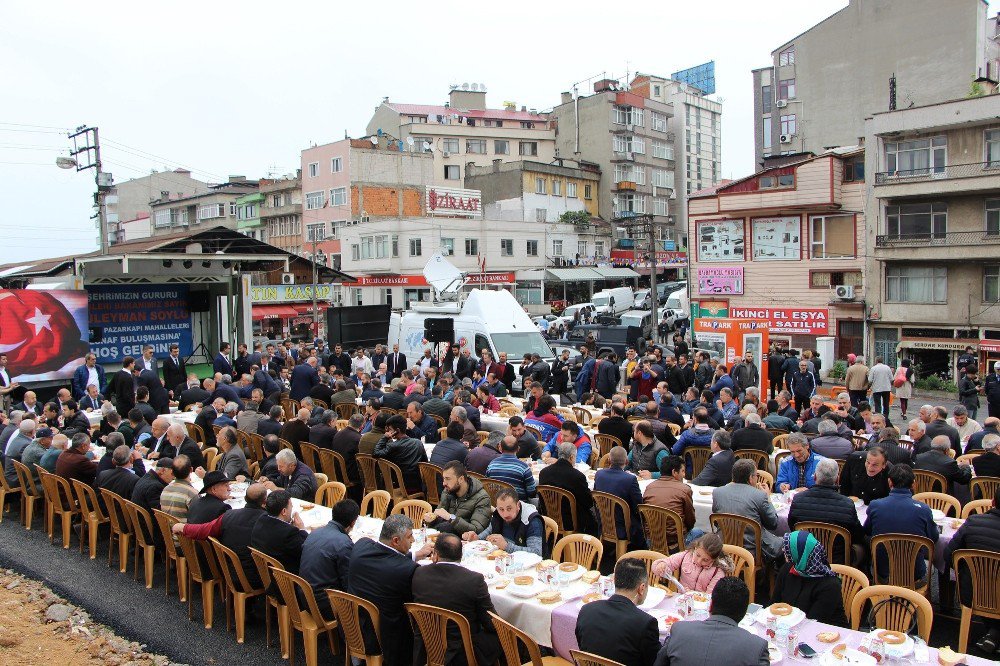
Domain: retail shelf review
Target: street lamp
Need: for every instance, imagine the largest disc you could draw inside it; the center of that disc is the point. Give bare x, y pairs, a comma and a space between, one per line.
86, 142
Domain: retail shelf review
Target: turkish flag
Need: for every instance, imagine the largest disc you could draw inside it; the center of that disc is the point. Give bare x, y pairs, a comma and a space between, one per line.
37, 333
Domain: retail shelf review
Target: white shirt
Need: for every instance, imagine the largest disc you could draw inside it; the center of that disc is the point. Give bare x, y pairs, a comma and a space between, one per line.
150, 364
93, 378
6, 377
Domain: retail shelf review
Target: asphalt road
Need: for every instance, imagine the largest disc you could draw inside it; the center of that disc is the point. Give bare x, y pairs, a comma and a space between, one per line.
135, 613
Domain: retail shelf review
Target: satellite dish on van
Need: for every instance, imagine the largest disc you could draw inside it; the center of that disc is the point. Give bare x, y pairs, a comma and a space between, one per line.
442, 275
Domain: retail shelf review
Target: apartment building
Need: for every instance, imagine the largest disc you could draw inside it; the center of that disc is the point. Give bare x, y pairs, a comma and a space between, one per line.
128, 203
696, 136
281, 212
464, 131
933, 269
787, 245
532, 191
214, 207
821, 85
248, 220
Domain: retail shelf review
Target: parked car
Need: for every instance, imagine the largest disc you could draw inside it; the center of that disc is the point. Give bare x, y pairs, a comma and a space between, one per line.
642, 300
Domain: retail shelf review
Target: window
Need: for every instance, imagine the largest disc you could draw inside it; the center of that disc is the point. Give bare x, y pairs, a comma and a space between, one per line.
471, 247
916, 284
314, 200
571, 190
765, 127
314, 169
786, 89
507, 247
475, 146
993, 217
992, 140
660, 205
556, 187
355, 252
338, 196
367, 247
639, 175
501, 147
663, 150
854, 170
658, 121
532, 248
316, 232
915, 221
449, 145
788, 124
598, 248
773, 182
557, 248
832, 236
395, 246
656, 91
210, 211
540, 186
916, 157
526, 124
766, 99
452, 172
448, 246
581, 248
529, 148
162, 218
787, 57
275, 201
587, 189
336, 165
493, 123
232, 209
415, 249
663, 178
991, 284
382, 246
827, 279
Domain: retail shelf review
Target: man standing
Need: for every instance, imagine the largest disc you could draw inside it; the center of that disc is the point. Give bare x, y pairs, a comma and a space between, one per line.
396, 362
745, 374
803, 385
87, 374
174, 371
991, 388
856, 380
880, 381
125, 387
339, 359
222, 364
158, 398
304, 378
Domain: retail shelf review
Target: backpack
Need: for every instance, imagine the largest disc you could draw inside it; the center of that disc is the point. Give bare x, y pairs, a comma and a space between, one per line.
900, 377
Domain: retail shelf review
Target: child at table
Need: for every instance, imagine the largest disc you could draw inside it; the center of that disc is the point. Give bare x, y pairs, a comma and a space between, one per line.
701, 566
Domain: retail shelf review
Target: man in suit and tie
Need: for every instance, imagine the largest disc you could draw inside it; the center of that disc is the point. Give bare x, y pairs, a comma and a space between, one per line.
30, 404
719, 639
87, 374
382, 573
158, 398
382, 374
174, 372
718, 471
395, 362
280, 533
304, 378
222, 362
92, 400
446, 584
125, 387
224, 391
616, 628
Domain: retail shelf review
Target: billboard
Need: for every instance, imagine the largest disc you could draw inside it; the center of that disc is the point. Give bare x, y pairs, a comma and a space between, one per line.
701, 77
809, 321
123, 318
42, 333
720, 280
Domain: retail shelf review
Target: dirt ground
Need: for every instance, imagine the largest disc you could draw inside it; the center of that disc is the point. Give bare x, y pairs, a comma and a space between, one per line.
38, 627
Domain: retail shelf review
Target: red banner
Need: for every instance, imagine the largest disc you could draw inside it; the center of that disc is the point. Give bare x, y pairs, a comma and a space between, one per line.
808, 321
471, 279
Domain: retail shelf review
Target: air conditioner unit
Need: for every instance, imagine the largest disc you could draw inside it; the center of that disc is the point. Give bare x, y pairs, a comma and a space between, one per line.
844, 292
785, 138
287, 278
447, 154
781, 103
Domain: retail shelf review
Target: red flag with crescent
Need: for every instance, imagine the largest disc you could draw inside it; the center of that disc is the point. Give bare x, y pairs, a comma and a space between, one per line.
37, 331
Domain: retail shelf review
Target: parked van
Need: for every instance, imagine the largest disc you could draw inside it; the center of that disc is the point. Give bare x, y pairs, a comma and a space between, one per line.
613, 301
487, 319
641, 319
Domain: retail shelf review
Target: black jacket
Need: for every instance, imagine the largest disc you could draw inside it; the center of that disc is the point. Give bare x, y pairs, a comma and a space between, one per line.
346, 444
322, 435
191, 396
617, 426
268, 426
300, 484
939, 427
146, 492
981, 532
406, 453
124, 394
190, 449
118, 480
824, 504
237, 528
206, 508
463, 591
718, 470
854, 479
204, 419
394, 399
943, 464
79, 423
819, 598
987, 464
384, 577
282, 541
562, 474
158, 398
753, 437
618, 630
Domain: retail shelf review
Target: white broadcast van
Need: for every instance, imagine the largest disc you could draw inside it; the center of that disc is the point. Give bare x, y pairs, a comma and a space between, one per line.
613, 301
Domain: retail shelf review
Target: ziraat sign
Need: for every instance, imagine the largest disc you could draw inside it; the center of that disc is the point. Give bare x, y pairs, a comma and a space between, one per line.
453, 202
808, 321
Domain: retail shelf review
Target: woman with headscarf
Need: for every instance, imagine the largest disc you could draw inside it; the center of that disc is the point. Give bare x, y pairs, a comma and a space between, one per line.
807, 582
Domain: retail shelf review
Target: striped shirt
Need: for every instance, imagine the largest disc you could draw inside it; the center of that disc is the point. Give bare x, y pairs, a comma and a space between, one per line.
175, 498
507, 468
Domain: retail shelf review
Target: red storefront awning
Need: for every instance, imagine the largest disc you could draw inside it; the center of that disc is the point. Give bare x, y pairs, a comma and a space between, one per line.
272, 312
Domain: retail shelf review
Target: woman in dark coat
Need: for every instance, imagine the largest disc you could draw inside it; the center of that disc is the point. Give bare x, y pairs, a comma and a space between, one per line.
806, 581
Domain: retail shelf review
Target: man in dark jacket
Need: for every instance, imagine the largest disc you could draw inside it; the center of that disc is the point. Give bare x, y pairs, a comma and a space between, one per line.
405, 451
326, 554
564, 474
451, 447
120, 479
753, 436
823, 503
158, 398
211, 500
938, 425
938, 460
146, 492
74, 419
775, 374
866, 475
296, 430
980, 532
124, 385
745, 374
802, 384
617, 426
988, 463
599, 376
272, 424
293, 476
322, 433
435, 406
898, 513
280, 533
718, 471
345, 442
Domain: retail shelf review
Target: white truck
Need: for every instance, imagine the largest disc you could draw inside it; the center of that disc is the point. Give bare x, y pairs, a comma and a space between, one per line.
613, 301
486, 319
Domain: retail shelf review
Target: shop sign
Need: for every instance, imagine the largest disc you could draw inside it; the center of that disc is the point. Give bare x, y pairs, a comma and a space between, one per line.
941, 344
807, 321
454, 202
718, 280
711, 309
989, 346
663, 258
287, 293
472, 279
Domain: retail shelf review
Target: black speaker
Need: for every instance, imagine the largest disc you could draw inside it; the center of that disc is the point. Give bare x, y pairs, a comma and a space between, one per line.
439, 329
198, 301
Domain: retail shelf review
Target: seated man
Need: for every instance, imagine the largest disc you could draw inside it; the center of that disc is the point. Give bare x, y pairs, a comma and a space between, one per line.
527, 444
614, 480
647, 452
938, 460
823, 503
509, 469
988, 462
981, 532
718, 471
451, 447
797, 470
420, 425
866, 475
293, 476
744, 498
900, 514
778, 419
515, 525
829, 444
465, 504
326, 554
280, 533
753, 436
616, 628
569, 433
670, 492
398, 447
564, 474
698, 433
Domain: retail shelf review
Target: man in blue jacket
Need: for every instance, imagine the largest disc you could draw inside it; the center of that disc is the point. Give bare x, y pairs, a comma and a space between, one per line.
799, 469
899, 513
697, 434
326, 554
722, 380
614, 480
85, 375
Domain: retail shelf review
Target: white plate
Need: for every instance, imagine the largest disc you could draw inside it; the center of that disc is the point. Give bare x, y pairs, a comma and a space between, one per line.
524, 560
654, 596
900, 651
481, 547
937, 515
856, 659
773, 653
786, 621
570, 576
525, 591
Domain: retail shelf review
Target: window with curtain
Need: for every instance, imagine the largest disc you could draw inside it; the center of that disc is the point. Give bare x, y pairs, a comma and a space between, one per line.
916, 284
831, 236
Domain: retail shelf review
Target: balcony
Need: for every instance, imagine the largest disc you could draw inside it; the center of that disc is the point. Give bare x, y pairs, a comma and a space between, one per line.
625, 186
953, 245
951, 179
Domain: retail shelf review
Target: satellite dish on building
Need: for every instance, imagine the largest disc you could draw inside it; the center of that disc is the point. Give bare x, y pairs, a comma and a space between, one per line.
482, 87
409, 141
374, 140
442, 275
465, 86
428, 146
475, 87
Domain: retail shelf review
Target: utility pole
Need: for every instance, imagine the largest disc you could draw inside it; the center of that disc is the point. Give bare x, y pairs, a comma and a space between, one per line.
639, 226
315, 239
86, 154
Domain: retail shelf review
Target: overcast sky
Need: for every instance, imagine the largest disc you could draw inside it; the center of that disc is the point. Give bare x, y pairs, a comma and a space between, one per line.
241, 88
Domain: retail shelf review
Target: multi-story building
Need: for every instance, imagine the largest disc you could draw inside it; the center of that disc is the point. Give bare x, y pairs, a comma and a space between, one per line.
787, 245
353, 181
933, 205
248, 220
532, 191
464, 131
696, 136
626, 135
214, 207
821, 85
281, 212
128, 204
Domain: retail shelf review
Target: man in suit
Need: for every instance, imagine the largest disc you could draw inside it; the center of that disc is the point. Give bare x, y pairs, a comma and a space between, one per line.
304, 378
382, 573
326, 554
243, 360
616, 628
988, 463
280, 533
741, 496
446, 584
193, 393
123, 476
158, 398
222, 363
92, 400
272, 424
938, 460
174, 370
616, 481
753, 436
719, 639
378, 356
28, 404
87, 374
395, 362
148, 361
465, 364
564, 474
938, 425
322, 433
718, 471
297, 429
125, 387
